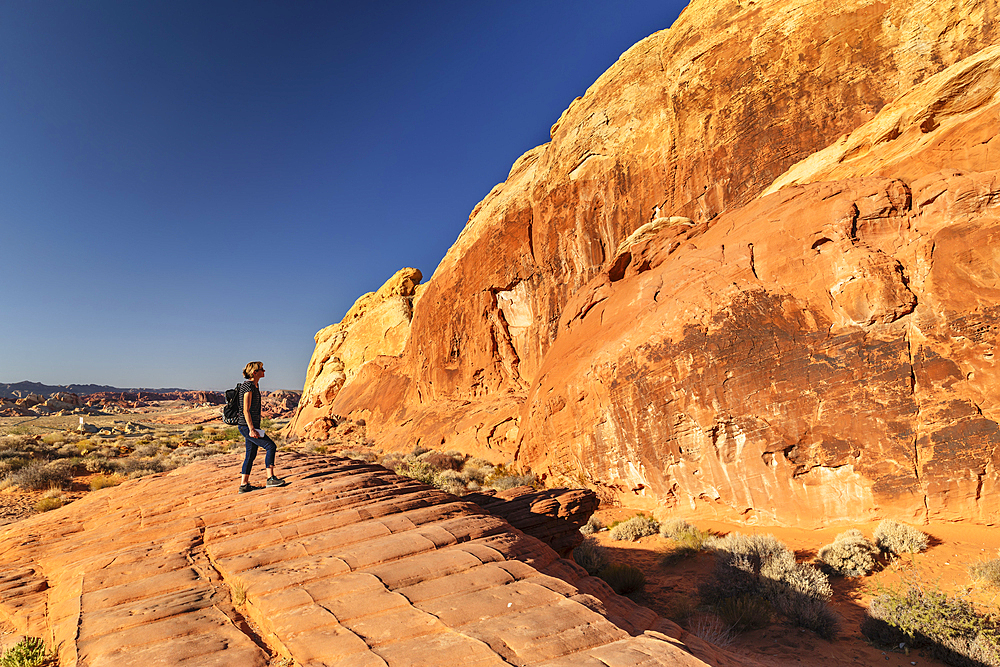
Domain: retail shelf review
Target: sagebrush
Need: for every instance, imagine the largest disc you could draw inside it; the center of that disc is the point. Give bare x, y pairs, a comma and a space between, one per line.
634, 528
851, 554
760, 566
897, 538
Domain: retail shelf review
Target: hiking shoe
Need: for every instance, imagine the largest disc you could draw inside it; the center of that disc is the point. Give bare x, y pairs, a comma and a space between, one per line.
246, 488
275, 481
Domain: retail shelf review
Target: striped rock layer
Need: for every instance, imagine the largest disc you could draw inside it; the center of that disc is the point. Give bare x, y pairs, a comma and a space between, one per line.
348, 565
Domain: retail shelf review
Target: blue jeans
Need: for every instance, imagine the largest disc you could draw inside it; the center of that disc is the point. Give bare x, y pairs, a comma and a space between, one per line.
252, 445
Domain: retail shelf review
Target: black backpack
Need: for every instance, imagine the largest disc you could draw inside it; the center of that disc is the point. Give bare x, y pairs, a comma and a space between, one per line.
231, 413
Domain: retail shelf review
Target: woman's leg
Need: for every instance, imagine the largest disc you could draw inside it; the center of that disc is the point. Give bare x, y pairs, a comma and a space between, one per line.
251, 444
269, 449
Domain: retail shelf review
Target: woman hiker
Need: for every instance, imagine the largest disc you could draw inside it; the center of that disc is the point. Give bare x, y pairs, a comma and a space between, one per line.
249, 426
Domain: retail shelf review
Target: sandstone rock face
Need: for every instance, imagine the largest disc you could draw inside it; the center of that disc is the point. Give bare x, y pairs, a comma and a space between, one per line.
627, 308
349, 565
823, 354
377, 324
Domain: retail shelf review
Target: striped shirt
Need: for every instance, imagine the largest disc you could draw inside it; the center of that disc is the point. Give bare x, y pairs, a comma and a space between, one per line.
249, 387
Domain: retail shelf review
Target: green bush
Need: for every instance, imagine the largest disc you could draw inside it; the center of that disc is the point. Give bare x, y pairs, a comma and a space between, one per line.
948, 628
590, 556
634, 528
850, 555
987, 572
29, 652
898, 538
623, 579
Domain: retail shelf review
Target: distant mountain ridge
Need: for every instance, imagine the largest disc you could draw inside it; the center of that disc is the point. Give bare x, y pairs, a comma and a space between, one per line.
19, 389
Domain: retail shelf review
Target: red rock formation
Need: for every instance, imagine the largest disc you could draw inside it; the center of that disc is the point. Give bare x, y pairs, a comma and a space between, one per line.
624, 307
554, 516
348, 565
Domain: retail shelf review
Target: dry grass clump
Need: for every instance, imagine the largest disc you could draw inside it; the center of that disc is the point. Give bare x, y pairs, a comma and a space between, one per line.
948, 628
632, 529
713, 630
590, 555
760, 566
897, 538
986, 572
48, 504
850, 555
104, 481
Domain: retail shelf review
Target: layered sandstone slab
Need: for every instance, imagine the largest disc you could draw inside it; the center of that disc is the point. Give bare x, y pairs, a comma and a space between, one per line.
348, 565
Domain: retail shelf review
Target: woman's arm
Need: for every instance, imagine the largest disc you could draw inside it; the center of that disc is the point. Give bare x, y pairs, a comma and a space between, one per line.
246, 413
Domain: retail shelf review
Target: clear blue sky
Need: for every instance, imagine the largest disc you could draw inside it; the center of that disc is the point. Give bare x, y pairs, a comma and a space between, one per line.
188, 186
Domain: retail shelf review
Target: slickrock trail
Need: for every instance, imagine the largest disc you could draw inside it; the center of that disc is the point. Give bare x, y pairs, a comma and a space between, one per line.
348, 565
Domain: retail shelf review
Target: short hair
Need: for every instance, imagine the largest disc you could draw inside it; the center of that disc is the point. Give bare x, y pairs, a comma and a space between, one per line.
252, 368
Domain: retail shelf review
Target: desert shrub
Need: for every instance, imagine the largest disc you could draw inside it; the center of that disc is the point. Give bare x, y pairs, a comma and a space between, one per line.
440, 461
104, 481
987, 572
898, 538
477, 470
671, 528
762, 566
17, 442
97, 463
12, 464
634, 528
590, 556
450, 481
29, 652
592, 526
850, 555
46, 504
39, 475
503, 478
623, 579
416, 469
744, 612
948, 628
684, 535
54, 438
134, 466
146, 450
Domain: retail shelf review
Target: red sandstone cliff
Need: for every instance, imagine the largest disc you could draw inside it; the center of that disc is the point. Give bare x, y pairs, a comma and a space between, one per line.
629, 310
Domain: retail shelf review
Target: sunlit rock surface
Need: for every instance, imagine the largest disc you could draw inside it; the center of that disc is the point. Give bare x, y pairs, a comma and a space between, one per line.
749, 276
348, 565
